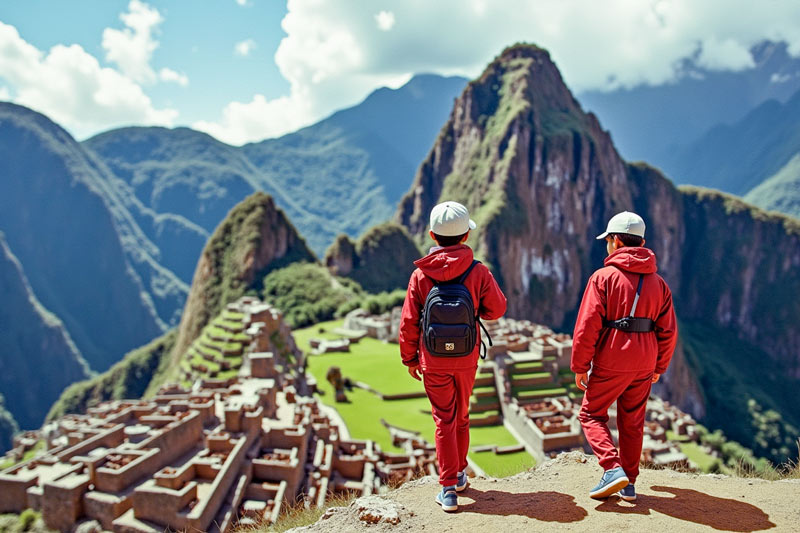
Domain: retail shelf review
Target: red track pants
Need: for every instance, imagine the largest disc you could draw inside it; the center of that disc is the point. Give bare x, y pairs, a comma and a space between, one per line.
449, 394
630, 390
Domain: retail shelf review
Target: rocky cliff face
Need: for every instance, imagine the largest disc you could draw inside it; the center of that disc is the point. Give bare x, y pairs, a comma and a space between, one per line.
381, 260
542, 178
255, 238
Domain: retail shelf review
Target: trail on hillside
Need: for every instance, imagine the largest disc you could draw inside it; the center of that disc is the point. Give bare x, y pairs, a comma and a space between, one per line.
554, 496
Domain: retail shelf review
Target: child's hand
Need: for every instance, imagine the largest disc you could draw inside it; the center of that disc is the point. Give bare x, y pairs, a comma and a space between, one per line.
582, 381
655, 378
415, 372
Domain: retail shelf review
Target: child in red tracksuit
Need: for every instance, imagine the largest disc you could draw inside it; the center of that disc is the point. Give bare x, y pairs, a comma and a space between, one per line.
618, 353
448, 380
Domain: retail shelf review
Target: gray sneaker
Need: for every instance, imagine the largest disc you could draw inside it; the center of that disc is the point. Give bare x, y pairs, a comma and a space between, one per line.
612, 481
463, 481
448, 499
628, 493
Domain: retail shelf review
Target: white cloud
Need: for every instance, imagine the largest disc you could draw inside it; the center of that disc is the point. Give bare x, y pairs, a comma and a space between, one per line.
71, 87
385, 20
258, 119
132, 47
244, 48
244, 3
169, 75
5, 94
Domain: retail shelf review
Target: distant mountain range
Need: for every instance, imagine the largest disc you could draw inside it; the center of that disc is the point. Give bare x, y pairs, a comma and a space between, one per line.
648, 123
107, 232
730, 131
341, 175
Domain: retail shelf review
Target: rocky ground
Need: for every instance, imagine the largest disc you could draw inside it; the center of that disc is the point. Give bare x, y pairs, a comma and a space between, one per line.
554, 496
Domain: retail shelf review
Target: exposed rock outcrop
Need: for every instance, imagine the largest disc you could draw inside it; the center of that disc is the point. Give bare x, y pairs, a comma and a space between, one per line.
541, 178
255, 238
381, 260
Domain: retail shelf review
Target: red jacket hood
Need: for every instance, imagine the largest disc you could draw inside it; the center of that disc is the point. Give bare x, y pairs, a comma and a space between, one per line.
446, 263
637, 260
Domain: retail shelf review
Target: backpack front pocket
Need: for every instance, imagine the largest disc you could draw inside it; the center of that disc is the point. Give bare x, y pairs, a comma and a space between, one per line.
448, 340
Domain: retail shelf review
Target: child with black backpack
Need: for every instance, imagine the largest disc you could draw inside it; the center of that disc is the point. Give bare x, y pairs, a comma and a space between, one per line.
448, 294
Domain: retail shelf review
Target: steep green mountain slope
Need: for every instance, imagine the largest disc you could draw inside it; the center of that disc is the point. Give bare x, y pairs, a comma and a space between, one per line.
738, 157
341, 175
541, 179
140, 373
38, 358
8, 427
254, 239
83, 251
781, 191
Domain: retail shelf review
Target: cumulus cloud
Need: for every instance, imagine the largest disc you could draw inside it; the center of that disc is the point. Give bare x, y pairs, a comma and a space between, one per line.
69, 85
385, 20
5, 94
336, 52
132, 47
169, 75
244, 48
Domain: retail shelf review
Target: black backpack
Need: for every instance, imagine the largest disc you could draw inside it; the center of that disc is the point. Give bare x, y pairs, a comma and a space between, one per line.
448, 321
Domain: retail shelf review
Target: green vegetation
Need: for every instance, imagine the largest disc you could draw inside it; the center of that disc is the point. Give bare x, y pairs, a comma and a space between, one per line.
781, 191
140, 373
243, 249
8, 427
379, 271
307, 293
378, 365
30, 454
374, 304
27, 521
755, 404
222, 341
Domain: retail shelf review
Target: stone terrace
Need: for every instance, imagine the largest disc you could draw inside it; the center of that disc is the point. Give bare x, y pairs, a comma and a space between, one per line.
225, 451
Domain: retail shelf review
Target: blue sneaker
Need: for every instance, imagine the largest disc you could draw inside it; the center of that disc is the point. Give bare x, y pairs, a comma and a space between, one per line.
448, 499
628, 493
612, 481
463, 481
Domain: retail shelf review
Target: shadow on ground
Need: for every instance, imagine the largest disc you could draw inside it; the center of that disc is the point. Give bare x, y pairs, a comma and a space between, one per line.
545, 506
723, 514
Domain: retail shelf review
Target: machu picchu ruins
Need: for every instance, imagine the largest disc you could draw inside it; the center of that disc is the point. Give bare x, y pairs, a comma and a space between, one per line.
242, 437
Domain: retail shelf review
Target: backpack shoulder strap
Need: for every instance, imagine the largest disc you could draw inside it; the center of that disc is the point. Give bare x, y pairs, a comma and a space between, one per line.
636, 298
463, 276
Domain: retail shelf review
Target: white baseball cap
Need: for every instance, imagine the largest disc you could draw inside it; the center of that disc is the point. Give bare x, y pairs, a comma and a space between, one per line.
625, 222
450, 219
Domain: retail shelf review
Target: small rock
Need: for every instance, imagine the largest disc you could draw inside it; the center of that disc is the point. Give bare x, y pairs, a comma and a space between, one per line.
374, 510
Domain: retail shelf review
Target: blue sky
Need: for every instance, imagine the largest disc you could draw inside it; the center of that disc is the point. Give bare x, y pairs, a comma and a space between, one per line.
245, 70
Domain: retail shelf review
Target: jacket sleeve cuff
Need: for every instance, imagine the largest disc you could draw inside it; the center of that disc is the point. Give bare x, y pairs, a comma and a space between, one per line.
411, 362
660, 371
577, 370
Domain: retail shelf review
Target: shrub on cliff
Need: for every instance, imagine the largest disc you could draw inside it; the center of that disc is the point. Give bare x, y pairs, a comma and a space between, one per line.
307, 293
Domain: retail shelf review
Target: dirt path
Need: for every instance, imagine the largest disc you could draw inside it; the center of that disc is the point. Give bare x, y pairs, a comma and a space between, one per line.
554, 496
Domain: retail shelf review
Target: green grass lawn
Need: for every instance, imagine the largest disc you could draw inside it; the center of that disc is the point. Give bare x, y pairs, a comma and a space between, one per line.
378, 364
693, 451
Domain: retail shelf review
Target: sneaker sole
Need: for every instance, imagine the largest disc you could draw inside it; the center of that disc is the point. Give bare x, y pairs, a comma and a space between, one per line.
628, 498
462, 488
448, 508
610, 489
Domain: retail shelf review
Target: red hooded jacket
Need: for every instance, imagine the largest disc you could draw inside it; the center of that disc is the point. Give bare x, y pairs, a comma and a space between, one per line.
609, 295
444, 264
